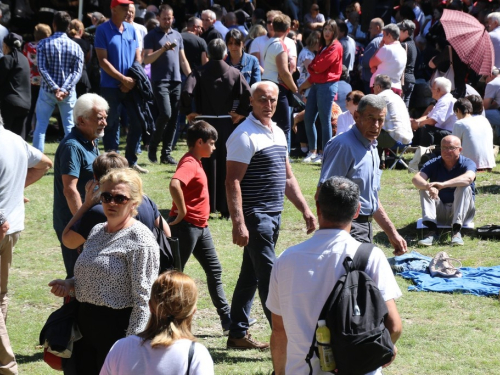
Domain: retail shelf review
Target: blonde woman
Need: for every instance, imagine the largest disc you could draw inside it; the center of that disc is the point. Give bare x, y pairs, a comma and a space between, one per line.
164, 347
113, 274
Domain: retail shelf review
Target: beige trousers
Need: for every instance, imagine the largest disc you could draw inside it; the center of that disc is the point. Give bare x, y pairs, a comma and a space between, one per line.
461, 211
8, 365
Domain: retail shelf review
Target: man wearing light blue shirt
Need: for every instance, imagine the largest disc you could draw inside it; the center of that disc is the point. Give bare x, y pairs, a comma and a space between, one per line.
353, 154
376, 26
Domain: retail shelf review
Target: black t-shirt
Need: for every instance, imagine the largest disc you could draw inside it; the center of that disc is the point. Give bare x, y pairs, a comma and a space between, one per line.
86, 47
194, 46
147, 214
15, 86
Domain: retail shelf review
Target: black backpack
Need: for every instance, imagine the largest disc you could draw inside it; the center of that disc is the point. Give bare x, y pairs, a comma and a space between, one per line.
355, 313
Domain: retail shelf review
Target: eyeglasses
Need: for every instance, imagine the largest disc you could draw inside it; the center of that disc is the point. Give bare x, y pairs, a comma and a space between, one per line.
117, 198
269, 22
452, 148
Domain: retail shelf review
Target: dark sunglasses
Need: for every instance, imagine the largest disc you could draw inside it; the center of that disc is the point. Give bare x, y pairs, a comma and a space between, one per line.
118, 198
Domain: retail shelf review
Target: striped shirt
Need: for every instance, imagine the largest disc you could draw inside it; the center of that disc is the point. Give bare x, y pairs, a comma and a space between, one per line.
264, 150
60, 62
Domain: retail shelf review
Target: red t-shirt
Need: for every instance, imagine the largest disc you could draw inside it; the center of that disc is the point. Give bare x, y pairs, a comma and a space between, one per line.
195, 189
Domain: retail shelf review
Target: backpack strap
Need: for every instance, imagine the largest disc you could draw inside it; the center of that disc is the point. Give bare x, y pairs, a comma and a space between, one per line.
312, 350
361, 257
190, 356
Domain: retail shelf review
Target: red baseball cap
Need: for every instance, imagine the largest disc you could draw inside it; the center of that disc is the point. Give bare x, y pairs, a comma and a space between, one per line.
115, 3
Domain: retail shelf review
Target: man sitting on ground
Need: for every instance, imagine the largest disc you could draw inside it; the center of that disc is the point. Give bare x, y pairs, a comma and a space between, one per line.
448, 197
316, 265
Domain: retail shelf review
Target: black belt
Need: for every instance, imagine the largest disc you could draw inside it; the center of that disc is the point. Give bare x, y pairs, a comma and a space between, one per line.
364, 218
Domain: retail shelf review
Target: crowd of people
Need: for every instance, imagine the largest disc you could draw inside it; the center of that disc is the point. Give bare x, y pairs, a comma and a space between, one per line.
252, 92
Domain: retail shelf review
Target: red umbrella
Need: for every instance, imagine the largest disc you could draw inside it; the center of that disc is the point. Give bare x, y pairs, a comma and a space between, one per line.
470, 40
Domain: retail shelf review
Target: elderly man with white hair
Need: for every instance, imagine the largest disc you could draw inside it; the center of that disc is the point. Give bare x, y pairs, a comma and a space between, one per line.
208, 19
431, 128
73, 165
493, 26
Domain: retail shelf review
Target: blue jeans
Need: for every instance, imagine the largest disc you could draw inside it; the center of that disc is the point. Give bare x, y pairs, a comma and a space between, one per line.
167, 95
258, 260
319, 101
198, 241
111, 139
44, 107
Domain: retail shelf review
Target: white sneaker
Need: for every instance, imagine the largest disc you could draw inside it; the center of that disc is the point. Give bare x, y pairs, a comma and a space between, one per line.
310, 157
318, 159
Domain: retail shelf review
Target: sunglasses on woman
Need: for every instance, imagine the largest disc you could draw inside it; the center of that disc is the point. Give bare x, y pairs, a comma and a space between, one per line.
117, 198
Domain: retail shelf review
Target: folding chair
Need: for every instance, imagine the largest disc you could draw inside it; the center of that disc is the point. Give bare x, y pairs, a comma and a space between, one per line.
398, 151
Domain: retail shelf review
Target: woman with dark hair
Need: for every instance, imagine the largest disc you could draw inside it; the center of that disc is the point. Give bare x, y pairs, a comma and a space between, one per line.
247, 64
15, 87
164, 347
75, 32
346, 120
324, 72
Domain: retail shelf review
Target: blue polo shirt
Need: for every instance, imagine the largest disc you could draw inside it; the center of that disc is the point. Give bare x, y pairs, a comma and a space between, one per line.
74, 156
353, 156
437, 172
166, 67
120, 47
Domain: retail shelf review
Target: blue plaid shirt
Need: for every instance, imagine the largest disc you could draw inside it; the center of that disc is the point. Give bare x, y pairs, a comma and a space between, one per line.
60, 62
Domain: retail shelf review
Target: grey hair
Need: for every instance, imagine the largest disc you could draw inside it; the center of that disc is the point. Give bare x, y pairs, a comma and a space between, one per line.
443, 83
87, 103
338, 200
217, 49
384, 81
209, 13
257, 85
407, 25
392, 30
495, 16
371, 100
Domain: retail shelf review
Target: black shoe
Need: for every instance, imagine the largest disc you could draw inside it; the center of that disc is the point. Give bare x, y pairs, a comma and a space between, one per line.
152, 155
167, 159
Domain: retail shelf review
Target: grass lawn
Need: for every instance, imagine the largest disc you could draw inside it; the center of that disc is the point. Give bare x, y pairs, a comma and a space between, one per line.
442, 333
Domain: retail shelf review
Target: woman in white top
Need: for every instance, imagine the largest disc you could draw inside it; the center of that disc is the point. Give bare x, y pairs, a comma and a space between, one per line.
390, 58
166, 346
345, 121
113, 274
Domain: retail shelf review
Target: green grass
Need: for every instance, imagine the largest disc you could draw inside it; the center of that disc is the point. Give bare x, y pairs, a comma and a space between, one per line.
442, 333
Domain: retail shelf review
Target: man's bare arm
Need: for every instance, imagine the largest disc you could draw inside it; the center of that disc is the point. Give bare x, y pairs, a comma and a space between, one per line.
234, 175
382, 219
71, 193
279, 342
35, 173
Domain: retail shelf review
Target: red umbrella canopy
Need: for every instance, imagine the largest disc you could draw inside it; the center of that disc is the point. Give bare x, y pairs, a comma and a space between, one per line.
470, 40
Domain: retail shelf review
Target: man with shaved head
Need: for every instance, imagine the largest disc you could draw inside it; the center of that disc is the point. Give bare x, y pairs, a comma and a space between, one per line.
446, 186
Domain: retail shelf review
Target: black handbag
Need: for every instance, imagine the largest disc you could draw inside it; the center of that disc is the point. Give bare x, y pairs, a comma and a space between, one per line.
169, 250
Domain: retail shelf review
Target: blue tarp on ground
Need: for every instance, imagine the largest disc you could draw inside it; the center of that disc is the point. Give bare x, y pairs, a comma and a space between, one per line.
481, 281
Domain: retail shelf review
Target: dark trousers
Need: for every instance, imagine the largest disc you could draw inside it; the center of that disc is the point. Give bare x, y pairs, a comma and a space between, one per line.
198, 241
111, 139
101, 327
69, 257
35, 90
258, 260
282, 115
14, 118
167, 95
362, 231
430, 135
407, 91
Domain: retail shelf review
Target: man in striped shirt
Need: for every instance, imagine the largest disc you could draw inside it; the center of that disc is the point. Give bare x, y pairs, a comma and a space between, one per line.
60, 63
258, 178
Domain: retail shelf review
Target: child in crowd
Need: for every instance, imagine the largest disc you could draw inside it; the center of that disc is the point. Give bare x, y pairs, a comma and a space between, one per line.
191, 210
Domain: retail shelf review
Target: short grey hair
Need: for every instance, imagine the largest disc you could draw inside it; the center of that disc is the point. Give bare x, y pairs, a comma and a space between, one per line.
216, 49
443, 83
257, 85
384, 81
338, 200
371, 100
392, 30
495, 16
86, 103
209, 13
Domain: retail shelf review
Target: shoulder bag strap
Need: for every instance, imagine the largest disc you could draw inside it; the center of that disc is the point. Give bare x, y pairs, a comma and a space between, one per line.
362, 255
190, 356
